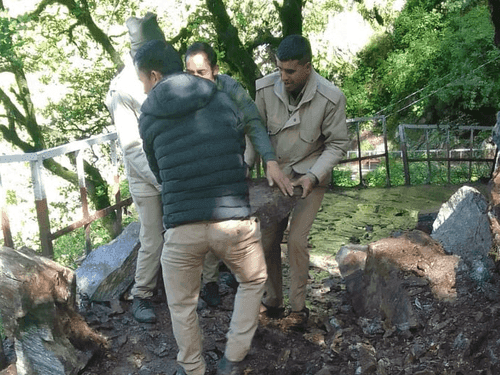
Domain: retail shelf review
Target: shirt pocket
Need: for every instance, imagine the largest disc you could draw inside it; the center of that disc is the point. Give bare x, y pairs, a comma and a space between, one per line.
273, 127
310, 134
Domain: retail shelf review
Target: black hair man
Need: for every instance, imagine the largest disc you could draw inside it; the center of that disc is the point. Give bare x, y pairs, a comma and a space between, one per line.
201, 61
194, 142
124, 100
305, 117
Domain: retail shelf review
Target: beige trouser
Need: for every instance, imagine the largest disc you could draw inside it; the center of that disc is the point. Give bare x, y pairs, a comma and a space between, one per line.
151, 238
238, 244
303, 216
210, 268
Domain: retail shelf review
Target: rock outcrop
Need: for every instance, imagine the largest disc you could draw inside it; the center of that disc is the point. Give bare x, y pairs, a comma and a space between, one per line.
37, 305
398, 279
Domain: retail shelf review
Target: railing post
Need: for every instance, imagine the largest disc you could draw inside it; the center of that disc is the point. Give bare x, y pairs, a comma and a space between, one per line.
448, 154
83, 195
471, 153
359, 155
386, 149
116, 187
42, 210
7, 235
405, 153
429, 175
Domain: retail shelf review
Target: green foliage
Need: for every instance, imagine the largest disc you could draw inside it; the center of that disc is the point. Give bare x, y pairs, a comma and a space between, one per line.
438, 65
343, 177
419, 173
70, 247
11, 197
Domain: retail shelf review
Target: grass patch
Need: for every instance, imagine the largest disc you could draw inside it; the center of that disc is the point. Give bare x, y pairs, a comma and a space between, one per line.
360, 215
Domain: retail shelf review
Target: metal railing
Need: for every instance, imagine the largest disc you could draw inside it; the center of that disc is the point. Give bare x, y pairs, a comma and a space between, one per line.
447, 151
36, 163
36, 160
361, 156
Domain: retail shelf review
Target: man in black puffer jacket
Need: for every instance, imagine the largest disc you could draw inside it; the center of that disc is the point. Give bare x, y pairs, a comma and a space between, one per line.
194, 141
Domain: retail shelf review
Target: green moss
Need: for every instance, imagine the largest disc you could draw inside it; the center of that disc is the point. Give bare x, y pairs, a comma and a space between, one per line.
367, 215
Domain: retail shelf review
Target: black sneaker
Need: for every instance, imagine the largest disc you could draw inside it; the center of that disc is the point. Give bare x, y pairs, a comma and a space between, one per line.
180, 371
297, 320
226, 367
271, 312
143, 310
210, 294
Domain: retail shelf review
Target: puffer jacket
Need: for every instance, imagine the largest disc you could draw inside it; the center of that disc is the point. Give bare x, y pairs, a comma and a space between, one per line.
194, 141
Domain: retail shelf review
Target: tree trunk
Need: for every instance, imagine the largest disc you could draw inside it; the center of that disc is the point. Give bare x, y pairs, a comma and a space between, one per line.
237, 57
495, 19
24, 117
291, 17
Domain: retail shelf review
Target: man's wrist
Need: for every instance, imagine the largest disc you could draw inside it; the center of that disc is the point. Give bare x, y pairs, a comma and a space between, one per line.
312, 177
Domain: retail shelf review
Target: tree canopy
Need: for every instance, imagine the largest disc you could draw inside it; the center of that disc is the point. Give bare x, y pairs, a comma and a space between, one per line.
435, 61
438, 64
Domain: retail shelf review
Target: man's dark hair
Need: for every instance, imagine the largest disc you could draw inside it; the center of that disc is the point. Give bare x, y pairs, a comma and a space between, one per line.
199, 47
158, 55
295, 47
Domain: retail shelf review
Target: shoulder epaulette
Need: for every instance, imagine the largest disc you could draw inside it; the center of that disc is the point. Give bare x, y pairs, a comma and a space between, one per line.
328, 89
267, 81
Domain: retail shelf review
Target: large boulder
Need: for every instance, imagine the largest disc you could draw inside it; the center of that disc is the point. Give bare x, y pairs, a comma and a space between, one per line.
386, 278
463, 228
106, 260
394, 279
37, 306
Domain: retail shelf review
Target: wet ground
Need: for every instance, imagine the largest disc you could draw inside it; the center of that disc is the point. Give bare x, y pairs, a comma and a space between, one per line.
460, 338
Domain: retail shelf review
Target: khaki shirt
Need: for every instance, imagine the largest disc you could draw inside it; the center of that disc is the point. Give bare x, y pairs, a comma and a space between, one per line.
311, 136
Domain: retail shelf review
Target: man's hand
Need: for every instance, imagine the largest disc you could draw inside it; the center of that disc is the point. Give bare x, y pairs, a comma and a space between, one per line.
276, 176
306, 183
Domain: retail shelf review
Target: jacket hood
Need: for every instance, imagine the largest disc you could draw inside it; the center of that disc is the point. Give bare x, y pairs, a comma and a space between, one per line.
177, 95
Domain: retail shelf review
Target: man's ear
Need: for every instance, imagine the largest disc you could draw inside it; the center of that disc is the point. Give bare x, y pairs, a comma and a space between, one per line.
156, 76
309, 67
215, 70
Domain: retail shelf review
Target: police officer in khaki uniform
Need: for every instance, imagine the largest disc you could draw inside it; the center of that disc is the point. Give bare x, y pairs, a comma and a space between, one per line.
305, 117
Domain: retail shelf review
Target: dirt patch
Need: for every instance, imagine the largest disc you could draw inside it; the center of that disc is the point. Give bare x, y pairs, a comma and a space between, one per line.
458, 338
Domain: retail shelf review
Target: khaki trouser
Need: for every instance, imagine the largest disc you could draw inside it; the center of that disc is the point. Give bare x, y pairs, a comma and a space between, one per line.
303, 216
210, 268
238, 244
151, 238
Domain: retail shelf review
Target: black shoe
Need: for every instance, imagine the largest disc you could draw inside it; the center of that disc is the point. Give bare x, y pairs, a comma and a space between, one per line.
210, 294
297, 320
143, 310
271, 312
180, 371
226, 367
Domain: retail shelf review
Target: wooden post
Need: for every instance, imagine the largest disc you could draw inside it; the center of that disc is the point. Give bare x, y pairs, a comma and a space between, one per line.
359, 155
471, 153
448, 153
387, 162
83, 195
42, 210
116, 188
7, 235
406, 168
428, 151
